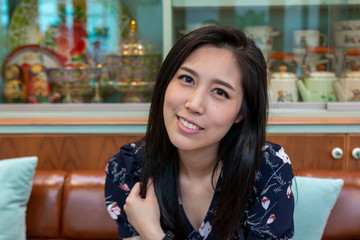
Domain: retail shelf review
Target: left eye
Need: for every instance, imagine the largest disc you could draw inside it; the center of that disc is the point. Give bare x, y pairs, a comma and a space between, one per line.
221, 92
186, 79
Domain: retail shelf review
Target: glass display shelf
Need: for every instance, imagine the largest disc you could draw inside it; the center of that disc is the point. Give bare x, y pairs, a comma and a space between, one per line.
309, 38
181, 16
79, 51
106, 25
232, 3
132, 118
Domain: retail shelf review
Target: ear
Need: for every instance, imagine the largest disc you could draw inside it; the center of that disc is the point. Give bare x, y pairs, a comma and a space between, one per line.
239, 118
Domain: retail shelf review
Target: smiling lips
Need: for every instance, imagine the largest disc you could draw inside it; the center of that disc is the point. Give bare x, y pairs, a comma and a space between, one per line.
188, 125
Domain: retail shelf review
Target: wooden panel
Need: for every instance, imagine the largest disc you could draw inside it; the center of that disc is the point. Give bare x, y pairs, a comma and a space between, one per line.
306, 120
92, 151
311, 151
65, 151
273, 120
73, 121
353, 142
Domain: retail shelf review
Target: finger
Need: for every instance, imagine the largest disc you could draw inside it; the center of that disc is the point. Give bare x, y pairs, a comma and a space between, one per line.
135, 191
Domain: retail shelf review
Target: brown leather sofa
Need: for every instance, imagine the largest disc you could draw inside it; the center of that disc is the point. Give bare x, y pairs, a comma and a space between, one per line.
70, 205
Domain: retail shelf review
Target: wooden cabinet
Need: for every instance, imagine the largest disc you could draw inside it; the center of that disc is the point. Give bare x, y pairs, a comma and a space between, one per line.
92, 151
314, 151
353, 141
65, 151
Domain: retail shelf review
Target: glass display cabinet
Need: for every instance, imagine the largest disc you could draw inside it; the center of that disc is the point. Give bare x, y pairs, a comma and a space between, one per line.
311, 47
79, 51
94, 62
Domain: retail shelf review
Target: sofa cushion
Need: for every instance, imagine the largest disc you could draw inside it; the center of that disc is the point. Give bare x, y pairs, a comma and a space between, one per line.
314, 199
85, 215
44, 208
15, 186
343, 221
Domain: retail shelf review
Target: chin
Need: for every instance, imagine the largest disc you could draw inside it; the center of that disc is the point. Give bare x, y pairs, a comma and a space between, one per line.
183, 144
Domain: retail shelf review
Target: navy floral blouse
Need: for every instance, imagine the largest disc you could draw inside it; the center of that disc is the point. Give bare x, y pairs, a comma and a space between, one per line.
270, 212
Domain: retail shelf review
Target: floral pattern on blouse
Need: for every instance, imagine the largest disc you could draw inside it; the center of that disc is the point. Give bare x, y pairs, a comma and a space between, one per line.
270, 210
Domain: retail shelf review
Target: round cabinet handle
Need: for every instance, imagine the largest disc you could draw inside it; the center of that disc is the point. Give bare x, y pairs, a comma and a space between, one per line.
337, 153
356, 153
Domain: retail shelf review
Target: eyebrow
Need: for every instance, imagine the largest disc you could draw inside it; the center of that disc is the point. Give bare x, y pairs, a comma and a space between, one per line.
217, 81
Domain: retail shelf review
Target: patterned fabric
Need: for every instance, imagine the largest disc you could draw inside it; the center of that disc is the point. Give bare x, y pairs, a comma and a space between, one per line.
271, 207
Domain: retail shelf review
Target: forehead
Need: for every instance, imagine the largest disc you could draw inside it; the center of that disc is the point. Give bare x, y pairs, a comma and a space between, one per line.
215, 60
210, 53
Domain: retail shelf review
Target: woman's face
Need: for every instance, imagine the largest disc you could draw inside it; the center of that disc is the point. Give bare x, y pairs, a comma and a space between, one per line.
203, 99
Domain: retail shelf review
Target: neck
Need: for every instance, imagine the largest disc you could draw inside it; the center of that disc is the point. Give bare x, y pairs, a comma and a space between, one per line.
197, 164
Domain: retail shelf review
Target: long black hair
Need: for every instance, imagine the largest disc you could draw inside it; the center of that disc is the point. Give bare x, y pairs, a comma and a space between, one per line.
240, 149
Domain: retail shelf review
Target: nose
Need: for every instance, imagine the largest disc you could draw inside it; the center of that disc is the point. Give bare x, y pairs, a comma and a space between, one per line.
196, 102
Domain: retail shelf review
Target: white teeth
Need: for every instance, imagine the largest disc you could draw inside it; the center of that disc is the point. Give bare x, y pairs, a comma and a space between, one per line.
189, 125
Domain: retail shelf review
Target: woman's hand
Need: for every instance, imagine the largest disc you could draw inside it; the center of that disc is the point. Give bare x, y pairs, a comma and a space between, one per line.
144, 213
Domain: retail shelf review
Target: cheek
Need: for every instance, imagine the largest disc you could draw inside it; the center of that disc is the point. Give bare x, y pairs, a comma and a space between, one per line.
225, 116
169, 99
172, 95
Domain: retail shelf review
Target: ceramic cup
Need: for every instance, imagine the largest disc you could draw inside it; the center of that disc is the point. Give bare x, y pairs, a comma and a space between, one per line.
347, 39
262, 35
347, 25
308, 38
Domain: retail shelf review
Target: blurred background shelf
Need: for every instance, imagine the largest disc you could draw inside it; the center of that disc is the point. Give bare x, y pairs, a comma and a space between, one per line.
132, 118
232, 3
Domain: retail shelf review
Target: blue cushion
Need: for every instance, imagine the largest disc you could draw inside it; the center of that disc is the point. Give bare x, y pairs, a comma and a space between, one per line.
314, 199
16, 176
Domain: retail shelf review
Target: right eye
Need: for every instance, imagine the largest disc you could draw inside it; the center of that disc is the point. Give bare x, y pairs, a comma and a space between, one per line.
186, 79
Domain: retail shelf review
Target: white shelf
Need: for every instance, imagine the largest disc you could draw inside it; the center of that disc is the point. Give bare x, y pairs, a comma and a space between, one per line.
132, 118
73, 107
232, 3
351, 109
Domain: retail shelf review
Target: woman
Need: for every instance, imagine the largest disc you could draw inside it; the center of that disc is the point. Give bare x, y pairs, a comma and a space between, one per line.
204, 167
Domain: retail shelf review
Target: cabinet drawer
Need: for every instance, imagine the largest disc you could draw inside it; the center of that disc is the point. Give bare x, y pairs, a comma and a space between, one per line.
353, 142
312, 151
